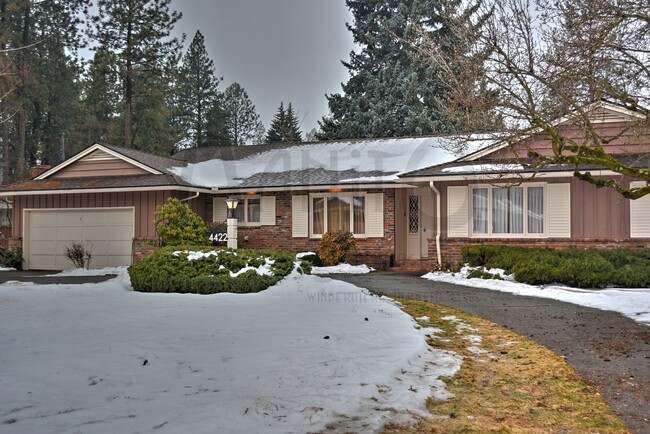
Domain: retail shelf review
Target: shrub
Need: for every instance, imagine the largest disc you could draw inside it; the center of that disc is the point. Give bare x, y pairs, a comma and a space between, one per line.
79, 253
581, 268
482, 274
335, 247
167, 271
176, 224
13, 259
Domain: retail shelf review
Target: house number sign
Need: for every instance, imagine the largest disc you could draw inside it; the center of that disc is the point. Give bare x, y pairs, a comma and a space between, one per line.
218, 237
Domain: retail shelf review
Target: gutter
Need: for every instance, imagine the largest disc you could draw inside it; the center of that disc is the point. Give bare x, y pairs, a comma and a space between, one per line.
194, 196
438, 223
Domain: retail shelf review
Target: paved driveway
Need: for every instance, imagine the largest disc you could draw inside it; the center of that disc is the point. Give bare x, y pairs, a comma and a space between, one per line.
609, 350
42, 278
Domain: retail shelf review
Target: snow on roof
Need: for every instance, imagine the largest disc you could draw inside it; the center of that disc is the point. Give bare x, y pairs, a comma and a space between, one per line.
483, 168
376, 160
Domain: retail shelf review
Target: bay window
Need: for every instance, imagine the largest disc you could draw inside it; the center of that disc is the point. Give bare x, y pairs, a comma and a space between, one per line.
507, 211
343, 212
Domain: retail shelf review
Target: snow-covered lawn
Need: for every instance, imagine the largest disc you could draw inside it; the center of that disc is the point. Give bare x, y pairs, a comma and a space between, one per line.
306, 354
342, 269
631, 302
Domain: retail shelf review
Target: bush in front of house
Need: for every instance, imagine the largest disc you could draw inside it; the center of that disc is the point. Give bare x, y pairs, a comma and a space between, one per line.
12, 259
335, 247
580, 268
208, 271
177, 225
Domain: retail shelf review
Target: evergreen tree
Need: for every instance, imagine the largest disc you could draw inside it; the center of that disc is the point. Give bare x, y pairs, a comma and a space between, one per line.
243, 123
217, 125
138, 32
284, 127
197, 92
390, 93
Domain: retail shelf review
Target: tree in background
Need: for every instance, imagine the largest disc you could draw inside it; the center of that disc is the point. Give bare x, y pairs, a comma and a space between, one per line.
565, 58
138, 32
284, 126
391, 93
243, 123
197, 92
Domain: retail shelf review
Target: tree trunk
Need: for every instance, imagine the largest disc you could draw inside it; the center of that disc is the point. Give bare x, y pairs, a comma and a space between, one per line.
22, 112
4, 107
128, 88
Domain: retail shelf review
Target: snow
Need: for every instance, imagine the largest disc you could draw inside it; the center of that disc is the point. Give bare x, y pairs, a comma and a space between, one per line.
342, 269
391, 156
484, 168
303, 254
631, 302
7, 269
73, 359
93, 272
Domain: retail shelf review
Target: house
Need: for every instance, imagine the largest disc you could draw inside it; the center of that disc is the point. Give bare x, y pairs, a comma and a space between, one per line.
408, 201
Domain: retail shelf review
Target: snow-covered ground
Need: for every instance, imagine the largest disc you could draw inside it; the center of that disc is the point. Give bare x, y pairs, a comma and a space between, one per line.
306, 354
342, 269
631, 302
7, 269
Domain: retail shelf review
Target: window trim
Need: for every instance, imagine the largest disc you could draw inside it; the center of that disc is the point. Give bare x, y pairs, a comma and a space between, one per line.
351, 195
243, 202
525, 234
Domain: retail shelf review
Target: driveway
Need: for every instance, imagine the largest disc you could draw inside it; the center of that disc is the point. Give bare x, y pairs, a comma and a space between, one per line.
47, 277
609, 350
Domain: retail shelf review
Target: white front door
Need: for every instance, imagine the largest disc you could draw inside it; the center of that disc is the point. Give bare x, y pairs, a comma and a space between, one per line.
419, 222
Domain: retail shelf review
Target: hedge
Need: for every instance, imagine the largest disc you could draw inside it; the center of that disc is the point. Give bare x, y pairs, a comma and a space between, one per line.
580, 268
169, 270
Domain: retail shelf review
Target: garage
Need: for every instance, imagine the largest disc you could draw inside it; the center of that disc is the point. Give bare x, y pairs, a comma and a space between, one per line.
107, 231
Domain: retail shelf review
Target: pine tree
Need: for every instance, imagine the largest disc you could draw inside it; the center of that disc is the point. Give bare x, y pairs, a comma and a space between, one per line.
138, 33
243, 123
390, 93
197, 92
284, 127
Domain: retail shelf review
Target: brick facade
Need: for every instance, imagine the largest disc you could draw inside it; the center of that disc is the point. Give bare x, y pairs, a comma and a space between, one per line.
375, 252
143, 247
5, 234
451, 247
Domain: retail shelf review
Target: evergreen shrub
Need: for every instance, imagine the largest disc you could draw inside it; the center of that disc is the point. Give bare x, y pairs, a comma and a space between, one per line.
176, 224
581, 268
13, 259
169, 270
335, 247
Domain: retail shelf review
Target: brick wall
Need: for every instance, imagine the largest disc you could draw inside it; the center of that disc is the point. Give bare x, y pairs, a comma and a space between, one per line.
375, 252
143, 247
5, 234
451, 247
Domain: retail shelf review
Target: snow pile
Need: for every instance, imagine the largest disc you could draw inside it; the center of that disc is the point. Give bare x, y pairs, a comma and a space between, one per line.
342, 269
391, 156
93, 272
308, 354
7, 269
631, 302
484, 168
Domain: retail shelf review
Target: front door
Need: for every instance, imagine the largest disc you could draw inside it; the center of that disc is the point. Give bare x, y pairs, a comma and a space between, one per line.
419, 221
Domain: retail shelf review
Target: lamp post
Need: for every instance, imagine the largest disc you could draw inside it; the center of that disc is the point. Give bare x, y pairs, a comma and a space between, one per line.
231, 204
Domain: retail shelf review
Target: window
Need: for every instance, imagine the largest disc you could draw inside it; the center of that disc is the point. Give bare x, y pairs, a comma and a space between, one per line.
341, 211
508, 211
248, 211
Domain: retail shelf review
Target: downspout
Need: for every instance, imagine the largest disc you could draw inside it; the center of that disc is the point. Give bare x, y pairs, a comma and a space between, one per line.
187, 199
438, 223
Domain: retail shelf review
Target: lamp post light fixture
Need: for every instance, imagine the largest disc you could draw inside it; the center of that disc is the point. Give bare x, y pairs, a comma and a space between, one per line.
231, 204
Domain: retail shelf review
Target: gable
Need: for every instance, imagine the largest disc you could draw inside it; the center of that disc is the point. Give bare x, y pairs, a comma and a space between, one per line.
98, 161
608, 119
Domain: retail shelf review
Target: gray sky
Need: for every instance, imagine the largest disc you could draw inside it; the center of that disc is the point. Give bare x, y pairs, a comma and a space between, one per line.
278, 50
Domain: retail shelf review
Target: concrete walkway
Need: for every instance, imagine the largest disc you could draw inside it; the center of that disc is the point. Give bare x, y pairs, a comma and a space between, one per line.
609, 350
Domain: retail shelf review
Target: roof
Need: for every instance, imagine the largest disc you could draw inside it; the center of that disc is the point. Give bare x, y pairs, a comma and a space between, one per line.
502, 168
342, 162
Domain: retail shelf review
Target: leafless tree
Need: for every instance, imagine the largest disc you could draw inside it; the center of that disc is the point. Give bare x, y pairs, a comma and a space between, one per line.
546, 61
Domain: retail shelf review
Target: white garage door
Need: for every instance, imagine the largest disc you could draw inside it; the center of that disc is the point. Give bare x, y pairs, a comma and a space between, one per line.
108, 232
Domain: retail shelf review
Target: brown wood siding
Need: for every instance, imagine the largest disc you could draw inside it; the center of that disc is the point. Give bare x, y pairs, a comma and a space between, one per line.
145, 203
197, 205
633, 140
595, 213
90, 169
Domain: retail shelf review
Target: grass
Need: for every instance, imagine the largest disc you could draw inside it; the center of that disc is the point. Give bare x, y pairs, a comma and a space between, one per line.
515, 386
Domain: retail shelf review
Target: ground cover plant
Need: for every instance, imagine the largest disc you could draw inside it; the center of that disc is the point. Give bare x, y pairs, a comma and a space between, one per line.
580, 268
507, 383
208, 271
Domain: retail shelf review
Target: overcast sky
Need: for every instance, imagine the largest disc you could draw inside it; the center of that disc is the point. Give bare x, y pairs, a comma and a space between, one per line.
278, 50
